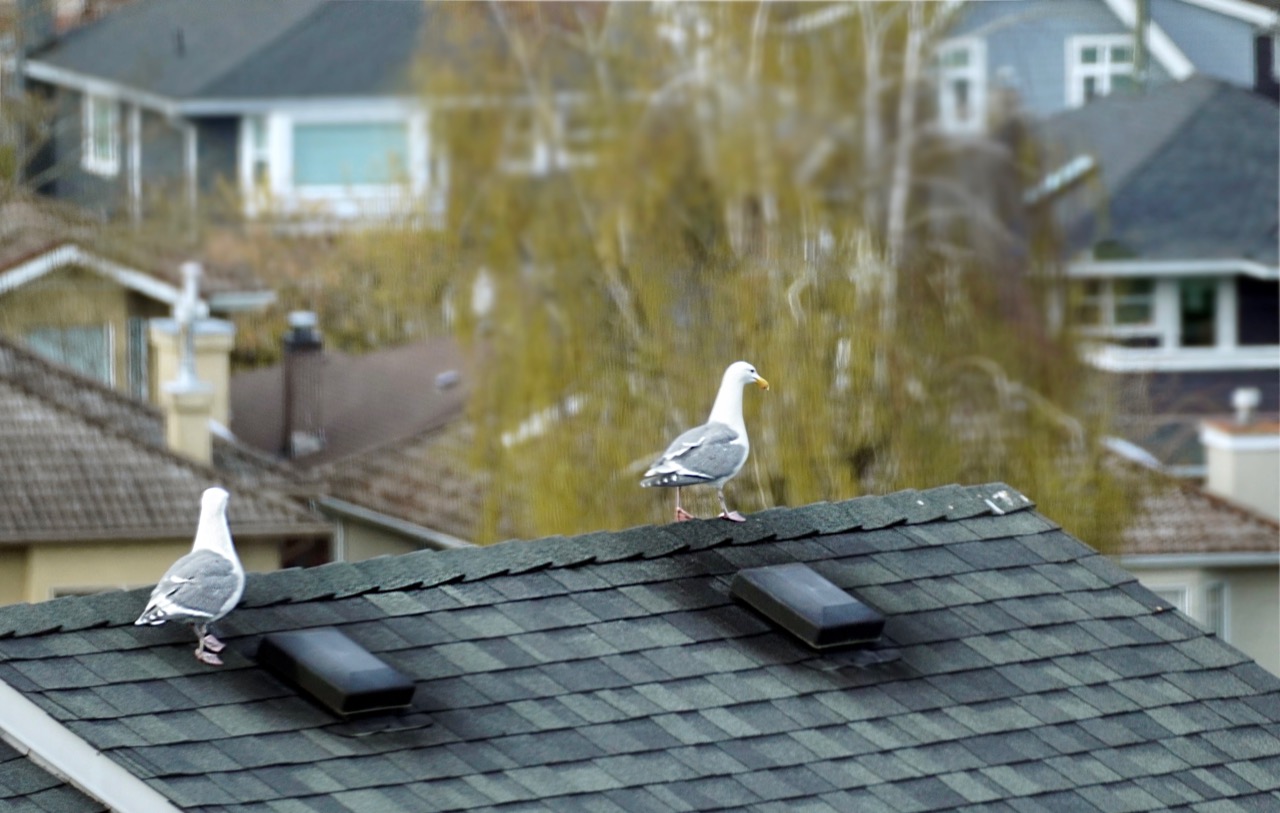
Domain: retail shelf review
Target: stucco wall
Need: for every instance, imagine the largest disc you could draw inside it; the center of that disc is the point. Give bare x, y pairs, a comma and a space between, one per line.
13, 574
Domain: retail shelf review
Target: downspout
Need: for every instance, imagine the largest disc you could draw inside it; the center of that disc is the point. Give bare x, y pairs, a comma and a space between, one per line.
55, 748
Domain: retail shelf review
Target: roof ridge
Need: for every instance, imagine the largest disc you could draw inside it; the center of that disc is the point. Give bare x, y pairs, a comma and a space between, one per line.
432, 568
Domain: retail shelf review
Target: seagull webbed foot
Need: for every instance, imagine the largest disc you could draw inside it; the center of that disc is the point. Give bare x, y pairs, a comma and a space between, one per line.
733, 516
212, 644
683, 515
208, 657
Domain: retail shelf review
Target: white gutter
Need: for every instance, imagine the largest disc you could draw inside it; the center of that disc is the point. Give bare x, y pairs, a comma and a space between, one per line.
1154, 560
99, 87
55, 748
429, 537
1172, 268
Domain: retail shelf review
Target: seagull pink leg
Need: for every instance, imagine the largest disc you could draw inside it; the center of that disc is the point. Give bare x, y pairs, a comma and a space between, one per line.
213, 644
204, 652
733, 516
681, 514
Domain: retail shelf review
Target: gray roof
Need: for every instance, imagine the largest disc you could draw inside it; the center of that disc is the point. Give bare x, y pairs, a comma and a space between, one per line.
82, 461
1020, 671
192, 49
27, 788
1188, 171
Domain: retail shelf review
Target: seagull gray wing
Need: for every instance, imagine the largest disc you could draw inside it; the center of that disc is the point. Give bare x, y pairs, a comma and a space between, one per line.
706, 454
200, 585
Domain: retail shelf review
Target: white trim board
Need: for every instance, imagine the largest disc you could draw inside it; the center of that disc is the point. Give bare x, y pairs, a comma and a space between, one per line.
71, 254
54, 747
1215, 438
1249, 13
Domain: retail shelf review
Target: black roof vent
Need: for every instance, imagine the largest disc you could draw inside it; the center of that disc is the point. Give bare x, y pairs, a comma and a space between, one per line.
335, 671
807, 605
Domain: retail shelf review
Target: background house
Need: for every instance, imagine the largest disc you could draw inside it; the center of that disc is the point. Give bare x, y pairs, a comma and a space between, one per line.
93, 496
1060, 54
83, 299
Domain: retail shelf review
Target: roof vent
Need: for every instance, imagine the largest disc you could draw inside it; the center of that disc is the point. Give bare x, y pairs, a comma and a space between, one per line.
335, 671
807, 605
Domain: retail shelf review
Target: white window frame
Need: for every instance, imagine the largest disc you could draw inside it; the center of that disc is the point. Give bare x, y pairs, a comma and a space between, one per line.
547, 146
107, 164
427, 172
975, 73
1225, 632
1103, 71
1179, 595
1108, 301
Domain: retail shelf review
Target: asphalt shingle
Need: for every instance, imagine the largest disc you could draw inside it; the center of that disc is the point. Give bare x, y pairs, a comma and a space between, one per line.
1019, 672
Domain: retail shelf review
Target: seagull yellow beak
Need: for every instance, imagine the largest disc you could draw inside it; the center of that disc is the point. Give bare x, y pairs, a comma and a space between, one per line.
761, 383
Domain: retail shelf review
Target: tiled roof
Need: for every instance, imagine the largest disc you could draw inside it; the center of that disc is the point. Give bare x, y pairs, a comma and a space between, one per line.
1020, 671
82, 461
410, 399
27, 788
1162, 155
1178, 517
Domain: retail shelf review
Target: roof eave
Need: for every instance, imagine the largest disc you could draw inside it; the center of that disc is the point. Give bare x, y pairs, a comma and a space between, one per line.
1141, 561
255, 531
54, 747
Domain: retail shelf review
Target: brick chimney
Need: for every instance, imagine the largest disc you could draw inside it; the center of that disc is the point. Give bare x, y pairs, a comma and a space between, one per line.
1242, 456
303, 370
191, 353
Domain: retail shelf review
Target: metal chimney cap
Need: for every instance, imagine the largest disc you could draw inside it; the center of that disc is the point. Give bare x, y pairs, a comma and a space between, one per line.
1245, 400
303, 319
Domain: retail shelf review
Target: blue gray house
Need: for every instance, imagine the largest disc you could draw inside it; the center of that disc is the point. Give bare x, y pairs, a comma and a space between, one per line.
1059, 54
297, 106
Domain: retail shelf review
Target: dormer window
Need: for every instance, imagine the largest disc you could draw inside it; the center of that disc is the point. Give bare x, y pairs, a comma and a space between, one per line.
1098, 65
101, 125
962, 85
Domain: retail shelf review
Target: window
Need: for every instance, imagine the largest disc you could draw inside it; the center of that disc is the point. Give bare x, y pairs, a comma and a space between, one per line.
350, 154
1098, 65
536, 143
1119, 303
138, 358
86, 350
101, 151
259, 153
1198, 304
962, 86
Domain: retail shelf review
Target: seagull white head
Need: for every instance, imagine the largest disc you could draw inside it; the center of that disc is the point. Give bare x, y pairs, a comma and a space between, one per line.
743, 373
214, 500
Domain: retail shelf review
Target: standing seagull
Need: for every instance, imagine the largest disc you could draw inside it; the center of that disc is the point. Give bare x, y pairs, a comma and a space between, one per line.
204, 585
713, 453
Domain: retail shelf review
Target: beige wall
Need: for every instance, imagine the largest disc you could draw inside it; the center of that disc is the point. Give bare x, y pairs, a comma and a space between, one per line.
360, 542
13, 574
90, 567
1250, 477
1252, 604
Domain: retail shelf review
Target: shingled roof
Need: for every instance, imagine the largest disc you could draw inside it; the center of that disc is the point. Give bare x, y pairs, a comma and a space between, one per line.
1019, 671
1161, 157
82, 461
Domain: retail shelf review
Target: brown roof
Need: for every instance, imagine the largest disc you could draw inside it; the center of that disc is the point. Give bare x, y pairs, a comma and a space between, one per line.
31, 226
82, 461
1179, 518
367, 400
427, 480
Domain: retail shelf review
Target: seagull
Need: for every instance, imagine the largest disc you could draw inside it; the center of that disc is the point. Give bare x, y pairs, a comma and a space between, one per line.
713, 453
205, 584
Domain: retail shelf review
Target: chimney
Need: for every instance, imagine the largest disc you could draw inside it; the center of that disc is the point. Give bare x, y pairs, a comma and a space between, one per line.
1242, 456
191, 353
303, 386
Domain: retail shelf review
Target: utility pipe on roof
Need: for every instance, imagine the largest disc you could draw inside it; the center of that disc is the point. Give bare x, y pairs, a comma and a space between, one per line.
58, 750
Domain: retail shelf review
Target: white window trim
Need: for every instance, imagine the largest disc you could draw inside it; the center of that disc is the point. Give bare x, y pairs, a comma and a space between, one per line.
1183, 605
109, 165
427, 173
548, 151
976, 73
1203, 614
1077, 71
